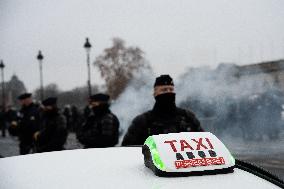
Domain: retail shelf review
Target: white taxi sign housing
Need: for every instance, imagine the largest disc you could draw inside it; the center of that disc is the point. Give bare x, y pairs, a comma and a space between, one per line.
189, 152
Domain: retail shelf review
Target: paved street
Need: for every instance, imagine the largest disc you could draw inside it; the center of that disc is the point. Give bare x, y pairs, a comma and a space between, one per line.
9, 145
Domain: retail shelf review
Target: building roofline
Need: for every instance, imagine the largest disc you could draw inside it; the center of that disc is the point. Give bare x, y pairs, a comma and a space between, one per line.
263, 67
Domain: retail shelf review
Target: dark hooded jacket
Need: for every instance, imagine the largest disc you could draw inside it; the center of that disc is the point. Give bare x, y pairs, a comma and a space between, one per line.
53, 132
29, 123
101, 129
155, 122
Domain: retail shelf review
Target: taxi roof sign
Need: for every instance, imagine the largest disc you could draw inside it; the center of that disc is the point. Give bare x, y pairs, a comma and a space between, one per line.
187, 153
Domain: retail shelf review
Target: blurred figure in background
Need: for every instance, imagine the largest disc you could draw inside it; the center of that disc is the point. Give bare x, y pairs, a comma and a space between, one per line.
53, 131
11, 116
75, 118
67, 114
88, 109
28, 123
101, 127
3, 125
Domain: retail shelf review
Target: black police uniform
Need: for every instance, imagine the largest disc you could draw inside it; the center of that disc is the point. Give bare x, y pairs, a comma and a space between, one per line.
29, 123
100, 130
3, 123
11, 115
153, 123
53, 132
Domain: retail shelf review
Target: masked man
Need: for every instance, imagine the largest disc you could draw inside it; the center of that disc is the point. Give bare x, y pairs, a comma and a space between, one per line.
164, 118
101, 127
53, 132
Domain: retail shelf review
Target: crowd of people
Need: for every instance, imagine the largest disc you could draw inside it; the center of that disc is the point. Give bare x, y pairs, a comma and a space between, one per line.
44, 128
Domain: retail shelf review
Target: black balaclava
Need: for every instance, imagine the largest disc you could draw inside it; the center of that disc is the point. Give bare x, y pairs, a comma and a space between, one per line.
165, 103
101, 109
51, 101
104, 105
52, 112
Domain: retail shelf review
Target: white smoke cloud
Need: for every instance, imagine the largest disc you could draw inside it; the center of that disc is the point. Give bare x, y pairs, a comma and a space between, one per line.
220, 91
136, 99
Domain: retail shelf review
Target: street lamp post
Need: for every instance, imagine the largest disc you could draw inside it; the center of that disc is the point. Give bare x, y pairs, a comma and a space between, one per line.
88, 46
40, 58
2, 66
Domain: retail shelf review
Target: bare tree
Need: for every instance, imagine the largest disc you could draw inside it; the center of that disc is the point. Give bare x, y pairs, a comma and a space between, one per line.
118, 65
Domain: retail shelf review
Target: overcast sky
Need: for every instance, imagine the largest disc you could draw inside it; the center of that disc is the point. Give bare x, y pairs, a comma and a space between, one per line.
174, 34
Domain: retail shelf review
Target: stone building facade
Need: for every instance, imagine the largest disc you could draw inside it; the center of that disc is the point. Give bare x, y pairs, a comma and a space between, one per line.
265, 75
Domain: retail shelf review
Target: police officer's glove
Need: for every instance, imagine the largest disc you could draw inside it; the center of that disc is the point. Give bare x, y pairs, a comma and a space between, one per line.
14, 124
36, 135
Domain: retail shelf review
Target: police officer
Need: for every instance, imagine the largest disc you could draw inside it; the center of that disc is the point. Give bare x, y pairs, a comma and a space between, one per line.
28, 123
164, 118
11, 117
53, 132
101, 127
67, 114
3, 121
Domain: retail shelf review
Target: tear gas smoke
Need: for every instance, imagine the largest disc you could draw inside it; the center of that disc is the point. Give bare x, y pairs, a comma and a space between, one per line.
136, 99
227, 101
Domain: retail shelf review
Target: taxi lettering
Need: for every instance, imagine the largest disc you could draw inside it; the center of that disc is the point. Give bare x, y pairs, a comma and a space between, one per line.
193, 144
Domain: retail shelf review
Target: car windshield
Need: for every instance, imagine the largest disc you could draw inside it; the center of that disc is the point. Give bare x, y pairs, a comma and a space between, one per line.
225, 62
